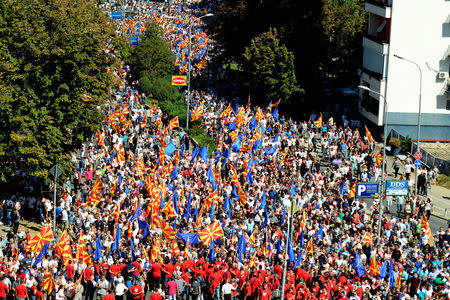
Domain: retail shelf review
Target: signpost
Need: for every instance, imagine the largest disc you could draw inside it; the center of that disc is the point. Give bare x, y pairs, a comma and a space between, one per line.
179, 80
417, 163
116, 15
367, 190
418, 155
396, 188
55, 171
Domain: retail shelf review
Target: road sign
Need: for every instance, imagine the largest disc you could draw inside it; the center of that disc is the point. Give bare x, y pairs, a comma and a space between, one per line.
396, 188
418, 155
367, 190
116, 15
417, 163
56, 171
179, 80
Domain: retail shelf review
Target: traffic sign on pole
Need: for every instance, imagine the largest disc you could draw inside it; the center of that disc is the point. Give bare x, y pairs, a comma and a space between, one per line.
418, 155
417, 163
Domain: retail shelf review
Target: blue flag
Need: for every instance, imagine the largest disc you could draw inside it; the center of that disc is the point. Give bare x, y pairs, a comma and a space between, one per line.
188, 207
342, 188
298, 261
232, 125
170, 149
302, 238
249, 178
283, 216
275, 115
115, 245
391, 274
211, 252
241, 247
293, 189
204, 153
210, 176
236, 146
271, 150
263, 201
175, 202
358, 266
383, 270
266, 218
41, 255
194, 154
275, 139
253, 124
291, 250
174, 173
136, 213
98, 248
132, 248
211, 212
319, 234
227, 206
182, 150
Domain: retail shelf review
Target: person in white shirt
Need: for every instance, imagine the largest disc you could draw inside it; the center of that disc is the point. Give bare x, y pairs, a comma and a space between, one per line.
227, 289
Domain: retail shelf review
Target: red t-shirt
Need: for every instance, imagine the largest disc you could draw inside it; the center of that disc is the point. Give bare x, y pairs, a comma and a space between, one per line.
156, 270
39, 295
3, 289
155, 296
107, 297
138, 268
87, 274
169, 268
70, 270
114, 270
265, 294
21, 291
136, 291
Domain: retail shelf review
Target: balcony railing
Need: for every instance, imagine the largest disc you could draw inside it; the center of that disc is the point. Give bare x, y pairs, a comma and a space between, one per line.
380, 3
376, 39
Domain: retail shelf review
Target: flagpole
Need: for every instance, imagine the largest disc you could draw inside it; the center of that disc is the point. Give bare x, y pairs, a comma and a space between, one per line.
288, 235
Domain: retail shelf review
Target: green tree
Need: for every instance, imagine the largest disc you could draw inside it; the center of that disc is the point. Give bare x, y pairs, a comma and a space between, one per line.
270, 67
51, 58
152, 58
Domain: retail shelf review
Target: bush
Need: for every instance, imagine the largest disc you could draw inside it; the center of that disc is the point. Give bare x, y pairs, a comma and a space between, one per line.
406, 145
394, 142
160, 89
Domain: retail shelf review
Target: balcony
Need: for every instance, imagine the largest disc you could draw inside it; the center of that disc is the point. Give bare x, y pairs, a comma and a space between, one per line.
379, 8
379, 45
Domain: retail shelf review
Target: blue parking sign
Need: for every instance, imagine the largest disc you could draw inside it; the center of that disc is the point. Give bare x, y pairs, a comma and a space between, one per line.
367, 190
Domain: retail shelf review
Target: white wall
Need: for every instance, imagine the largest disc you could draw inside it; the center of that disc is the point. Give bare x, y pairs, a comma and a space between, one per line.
419, 33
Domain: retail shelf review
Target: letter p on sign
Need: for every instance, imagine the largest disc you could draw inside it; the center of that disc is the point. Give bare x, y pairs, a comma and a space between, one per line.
361, 189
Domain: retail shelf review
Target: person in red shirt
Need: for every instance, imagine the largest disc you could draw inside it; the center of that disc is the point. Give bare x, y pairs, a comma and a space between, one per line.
21, 291
88, 273
107, 297
156, 270
114, 270
156, 296
137, 292
70, 271
39, 294
3, 290
265, 293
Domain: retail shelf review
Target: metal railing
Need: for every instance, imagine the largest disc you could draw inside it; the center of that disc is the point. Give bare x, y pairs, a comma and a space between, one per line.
427, 159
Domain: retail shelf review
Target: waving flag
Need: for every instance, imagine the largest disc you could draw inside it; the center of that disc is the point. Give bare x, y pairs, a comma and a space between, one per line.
173, 123
82, 255
196, 113
369, 135
225, 112
98, 248
203, 153
291, 251
211, 232
367, 239
40, 239
40, 257
383, 270
299, 260
398, 281
120, 158
358, 265
391, 274
175, 249
318, 122
425, 225
352, 192
167, 231
144, 121
241, 248
63, 248
379, 158
310, 246
259, 115
263, 201
170, 149
373, 267
115, 245
95, 194
48, 283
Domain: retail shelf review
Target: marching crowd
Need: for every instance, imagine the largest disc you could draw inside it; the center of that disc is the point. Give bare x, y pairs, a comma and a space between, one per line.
148, 214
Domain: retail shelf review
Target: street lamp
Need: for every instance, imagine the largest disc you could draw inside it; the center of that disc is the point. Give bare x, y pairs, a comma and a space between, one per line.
383, 179
189, 68
420, 109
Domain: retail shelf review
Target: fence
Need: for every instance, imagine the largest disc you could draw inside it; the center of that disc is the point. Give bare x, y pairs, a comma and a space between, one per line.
427, 158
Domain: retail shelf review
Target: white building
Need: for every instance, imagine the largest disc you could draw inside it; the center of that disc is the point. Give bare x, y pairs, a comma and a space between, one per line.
418, 31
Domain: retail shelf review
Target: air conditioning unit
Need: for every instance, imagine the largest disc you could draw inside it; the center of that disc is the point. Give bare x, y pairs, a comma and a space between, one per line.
442, 75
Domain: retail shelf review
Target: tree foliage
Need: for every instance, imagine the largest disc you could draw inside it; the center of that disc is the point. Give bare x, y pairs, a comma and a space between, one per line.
152, 58
325, 36
270, 67
51, 59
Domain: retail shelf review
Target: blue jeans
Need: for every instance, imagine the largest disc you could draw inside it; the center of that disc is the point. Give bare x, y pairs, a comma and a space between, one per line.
173, 297
217, 293
399, 209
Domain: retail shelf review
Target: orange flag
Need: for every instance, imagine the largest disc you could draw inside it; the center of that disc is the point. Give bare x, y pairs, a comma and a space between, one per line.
173, 123
82, 255
175, 249
40, 239
369, 135
63, 248
379, 158
318, 122
186, 249
425, 225
352, 192
211, 232
310, 247
367, 239
373, 267
48, 282
196, 113
144, 121
225, 112
167, 231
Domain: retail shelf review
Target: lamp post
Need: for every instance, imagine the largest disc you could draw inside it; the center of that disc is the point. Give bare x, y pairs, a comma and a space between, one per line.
189, 68
420, 110
288, 236
383, 179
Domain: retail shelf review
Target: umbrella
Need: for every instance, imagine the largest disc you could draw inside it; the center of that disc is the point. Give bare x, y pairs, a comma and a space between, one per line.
337, 161
211, 232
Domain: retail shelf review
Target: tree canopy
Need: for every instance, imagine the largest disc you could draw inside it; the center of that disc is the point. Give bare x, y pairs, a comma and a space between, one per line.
152, 58
270, 68
54, 75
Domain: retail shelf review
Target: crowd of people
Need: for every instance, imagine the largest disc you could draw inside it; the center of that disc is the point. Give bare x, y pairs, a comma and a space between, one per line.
149, 214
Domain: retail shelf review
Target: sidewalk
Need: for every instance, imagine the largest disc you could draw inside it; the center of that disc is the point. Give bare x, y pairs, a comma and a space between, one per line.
439, 195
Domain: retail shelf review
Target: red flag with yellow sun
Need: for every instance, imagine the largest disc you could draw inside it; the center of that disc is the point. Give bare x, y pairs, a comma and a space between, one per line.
211, 232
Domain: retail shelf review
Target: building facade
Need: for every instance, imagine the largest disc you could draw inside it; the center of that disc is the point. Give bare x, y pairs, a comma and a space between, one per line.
407, 46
